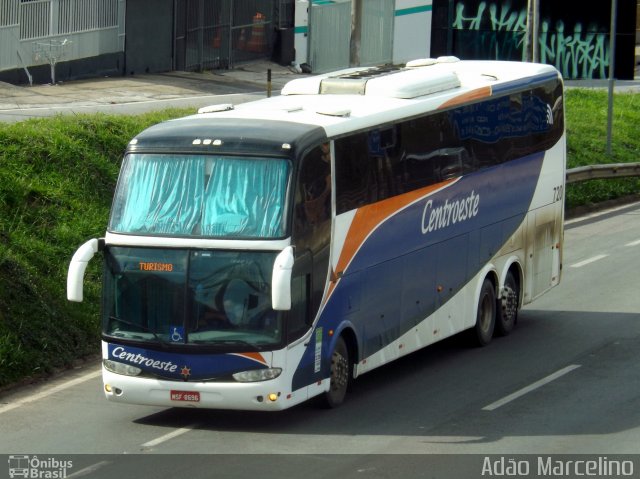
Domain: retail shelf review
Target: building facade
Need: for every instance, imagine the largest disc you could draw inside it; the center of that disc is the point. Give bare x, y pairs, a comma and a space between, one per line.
44, 41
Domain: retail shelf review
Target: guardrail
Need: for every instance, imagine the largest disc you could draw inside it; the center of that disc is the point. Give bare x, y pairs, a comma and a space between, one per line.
612, 170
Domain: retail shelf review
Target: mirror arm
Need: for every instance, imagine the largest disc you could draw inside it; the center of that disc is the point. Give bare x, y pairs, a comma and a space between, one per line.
281, 280
78, 265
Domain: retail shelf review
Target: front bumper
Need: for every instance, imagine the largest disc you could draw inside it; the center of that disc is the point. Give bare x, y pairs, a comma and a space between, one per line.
269, 395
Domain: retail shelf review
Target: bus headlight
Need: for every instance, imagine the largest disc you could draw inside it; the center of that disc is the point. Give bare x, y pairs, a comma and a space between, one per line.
120, 368
257, 375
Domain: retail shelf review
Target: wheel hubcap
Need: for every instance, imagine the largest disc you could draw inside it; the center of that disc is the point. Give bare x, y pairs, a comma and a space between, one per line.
339, 371
509, 303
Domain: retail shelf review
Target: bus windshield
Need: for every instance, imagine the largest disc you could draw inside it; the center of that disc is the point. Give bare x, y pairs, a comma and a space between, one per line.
198, 195
195, 297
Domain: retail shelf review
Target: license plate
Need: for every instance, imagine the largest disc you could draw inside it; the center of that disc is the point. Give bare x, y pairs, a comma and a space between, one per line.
189, 396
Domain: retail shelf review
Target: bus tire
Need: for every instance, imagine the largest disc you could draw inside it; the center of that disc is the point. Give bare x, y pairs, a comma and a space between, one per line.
340, 377
508, 306
486, 316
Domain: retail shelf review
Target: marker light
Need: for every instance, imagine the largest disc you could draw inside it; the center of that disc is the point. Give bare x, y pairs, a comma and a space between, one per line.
256, 375
215, 108
120, 368
272, 397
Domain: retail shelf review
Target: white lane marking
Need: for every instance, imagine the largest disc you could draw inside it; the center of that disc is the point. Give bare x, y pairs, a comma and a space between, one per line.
170, 435
531, 387
589, 260
49, 392
633, 243
89, 469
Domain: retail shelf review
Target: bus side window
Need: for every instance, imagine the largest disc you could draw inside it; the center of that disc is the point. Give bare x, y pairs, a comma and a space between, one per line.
315, 185
355, 174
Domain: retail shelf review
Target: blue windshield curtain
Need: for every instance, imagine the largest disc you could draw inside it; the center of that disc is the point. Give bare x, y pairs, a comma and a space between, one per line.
162, 195
245, 198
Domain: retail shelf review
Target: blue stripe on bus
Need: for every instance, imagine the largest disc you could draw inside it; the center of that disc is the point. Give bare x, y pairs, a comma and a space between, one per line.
189, 366
391, 283
528, 82
504, 191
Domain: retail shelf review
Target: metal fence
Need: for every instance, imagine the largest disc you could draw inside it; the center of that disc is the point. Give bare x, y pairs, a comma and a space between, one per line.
8, 13
613, 170
37, 32
44, 18
211, 35
85, 15
35, 19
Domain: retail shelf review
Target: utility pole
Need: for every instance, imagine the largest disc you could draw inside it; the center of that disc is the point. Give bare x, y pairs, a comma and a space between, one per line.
356, 33
531, 36
612, 65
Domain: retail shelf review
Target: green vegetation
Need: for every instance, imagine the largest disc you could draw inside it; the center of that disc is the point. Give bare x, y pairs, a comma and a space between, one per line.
57, 177
586, 113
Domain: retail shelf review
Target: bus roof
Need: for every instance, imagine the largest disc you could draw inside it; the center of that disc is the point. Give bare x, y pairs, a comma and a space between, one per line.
360, 98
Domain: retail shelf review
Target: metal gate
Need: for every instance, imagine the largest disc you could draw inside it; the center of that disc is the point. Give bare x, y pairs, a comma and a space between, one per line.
330, 34
376, 44
217, 34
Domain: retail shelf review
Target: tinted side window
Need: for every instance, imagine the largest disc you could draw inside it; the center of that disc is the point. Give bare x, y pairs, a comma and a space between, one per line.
378, 164
354, 173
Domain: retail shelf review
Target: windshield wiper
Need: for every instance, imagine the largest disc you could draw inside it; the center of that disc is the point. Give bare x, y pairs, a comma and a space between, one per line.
144, 328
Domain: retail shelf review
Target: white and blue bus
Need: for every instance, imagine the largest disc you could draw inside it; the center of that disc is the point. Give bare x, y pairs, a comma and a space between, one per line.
260, 255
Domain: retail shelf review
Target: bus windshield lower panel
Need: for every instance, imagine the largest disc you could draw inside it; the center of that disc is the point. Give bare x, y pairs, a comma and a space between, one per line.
197, 297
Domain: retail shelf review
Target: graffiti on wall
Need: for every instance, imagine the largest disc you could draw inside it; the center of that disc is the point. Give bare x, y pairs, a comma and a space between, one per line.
578, 54
499, 32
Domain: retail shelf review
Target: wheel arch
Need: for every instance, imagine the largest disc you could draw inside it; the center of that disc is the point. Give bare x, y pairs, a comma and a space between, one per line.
351, 340
489, 272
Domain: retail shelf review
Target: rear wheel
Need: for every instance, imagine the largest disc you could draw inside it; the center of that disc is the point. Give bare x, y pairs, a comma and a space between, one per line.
486, 317
340, 374
508, 306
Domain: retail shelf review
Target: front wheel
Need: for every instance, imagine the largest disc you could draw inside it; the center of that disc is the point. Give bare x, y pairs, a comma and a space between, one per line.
486, 317
340, 375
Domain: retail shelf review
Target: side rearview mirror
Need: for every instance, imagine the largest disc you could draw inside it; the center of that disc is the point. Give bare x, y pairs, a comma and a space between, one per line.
281, 280
77, 267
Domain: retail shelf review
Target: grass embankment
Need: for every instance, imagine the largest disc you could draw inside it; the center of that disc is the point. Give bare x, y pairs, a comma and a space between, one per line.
586, 121
57, 178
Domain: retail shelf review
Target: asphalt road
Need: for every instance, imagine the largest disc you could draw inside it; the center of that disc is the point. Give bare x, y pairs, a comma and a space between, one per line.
566, 381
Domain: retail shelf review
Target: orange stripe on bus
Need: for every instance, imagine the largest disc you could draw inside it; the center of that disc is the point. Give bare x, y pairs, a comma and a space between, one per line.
254, 356
473, 95
369, 217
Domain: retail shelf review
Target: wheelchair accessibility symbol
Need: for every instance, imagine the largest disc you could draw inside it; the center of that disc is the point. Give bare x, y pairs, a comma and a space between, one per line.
177, 334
